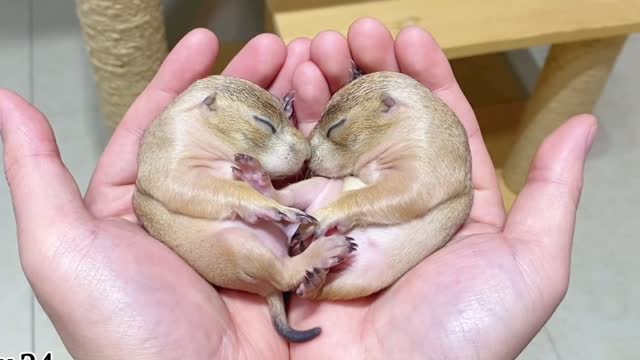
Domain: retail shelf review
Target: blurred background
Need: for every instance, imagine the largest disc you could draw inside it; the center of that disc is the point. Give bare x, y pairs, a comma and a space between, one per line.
498, 61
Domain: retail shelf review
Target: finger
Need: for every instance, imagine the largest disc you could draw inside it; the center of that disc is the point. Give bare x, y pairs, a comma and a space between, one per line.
312, 94
191, 59
420, 57
259, 61
330, 52
542, 220
297, 53
43, 191
372, 46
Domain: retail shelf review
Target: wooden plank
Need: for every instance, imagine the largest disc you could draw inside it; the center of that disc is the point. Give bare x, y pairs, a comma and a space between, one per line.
463, 30
488, 80
288, 5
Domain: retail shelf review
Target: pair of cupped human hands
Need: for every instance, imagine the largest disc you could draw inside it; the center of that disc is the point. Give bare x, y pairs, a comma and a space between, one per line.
114, 292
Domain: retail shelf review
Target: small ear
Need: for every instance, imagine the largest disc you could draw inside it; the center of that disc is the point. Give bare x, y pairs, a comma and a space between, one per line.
388, 103
210, 102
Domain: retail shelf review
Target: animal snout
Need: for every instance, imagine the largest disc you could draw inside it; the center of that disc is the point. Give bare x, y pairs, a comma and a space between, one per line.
302, 150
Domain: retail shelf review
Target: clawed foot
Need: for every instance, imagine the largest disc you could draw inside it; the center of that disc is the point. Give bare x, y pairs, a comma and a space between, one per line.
279, 213
330, 251
324, 254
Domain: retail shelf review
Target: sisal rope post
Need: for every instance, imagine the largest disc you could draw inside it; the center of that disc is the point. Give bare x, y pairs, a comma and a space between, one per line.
127, 43
571, 83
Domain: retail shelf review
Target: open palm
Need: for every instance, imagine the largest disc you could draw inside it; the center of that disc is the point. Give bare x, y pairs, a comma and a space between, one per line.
485, 294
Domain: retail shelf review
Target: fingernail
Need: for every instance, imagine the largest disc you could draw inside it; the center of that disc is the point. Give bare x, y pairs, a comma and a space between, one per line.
591, 137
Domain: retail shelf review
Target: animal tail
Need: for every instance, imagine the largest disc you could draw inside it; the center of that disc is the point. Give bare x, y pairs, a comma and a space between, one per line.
279, 318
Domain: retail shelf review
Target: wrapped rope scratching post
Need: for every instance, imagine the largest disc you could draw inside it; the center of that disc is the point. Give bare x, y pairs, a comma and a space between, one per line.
127, 43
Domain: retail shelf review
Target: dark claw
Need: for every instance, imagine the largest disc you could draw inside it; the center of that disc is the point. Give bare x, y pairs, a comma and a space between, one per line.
316, 270
239, 157
352, 241
235, 169
288, 104
282, 215
307, 219
289, 96
355, 71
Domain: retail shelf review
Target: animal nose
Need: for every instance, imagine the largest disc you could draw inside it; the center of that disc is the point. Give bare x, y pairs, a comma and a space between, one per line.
298, 151
304, 149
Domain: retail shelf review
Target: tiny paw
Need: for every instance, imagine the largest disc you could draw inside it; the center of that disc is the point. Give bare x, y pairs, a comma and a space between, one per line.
249, 170
332, 250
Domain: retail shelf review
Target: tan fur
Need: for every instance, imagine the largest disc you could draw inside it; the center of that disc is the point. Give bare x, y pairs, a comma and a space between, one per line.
412, 166
186, 196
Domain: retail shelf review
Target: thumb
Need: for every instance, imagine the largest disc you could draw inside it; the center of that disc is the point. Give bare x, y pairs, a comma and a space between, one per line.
43, 192
542, 221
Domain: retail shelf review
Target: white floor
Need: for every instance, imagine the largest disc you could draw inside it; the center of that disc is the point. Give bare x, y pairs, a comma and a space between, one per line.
42, 57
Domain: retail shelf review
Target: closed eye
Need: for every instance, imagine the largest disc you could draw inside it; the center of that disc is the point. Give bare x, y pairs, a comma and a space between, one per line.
335, 126
265, 122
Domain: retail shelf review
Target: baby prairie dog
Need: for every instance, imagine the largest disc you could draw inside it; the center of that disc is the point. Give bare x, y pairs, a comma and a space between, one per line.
404, 164
189, 195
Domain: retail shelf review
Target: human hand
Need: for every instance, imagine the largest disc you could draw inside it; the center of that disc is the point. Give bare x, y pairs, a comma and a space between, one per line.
487, 293
110, 289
